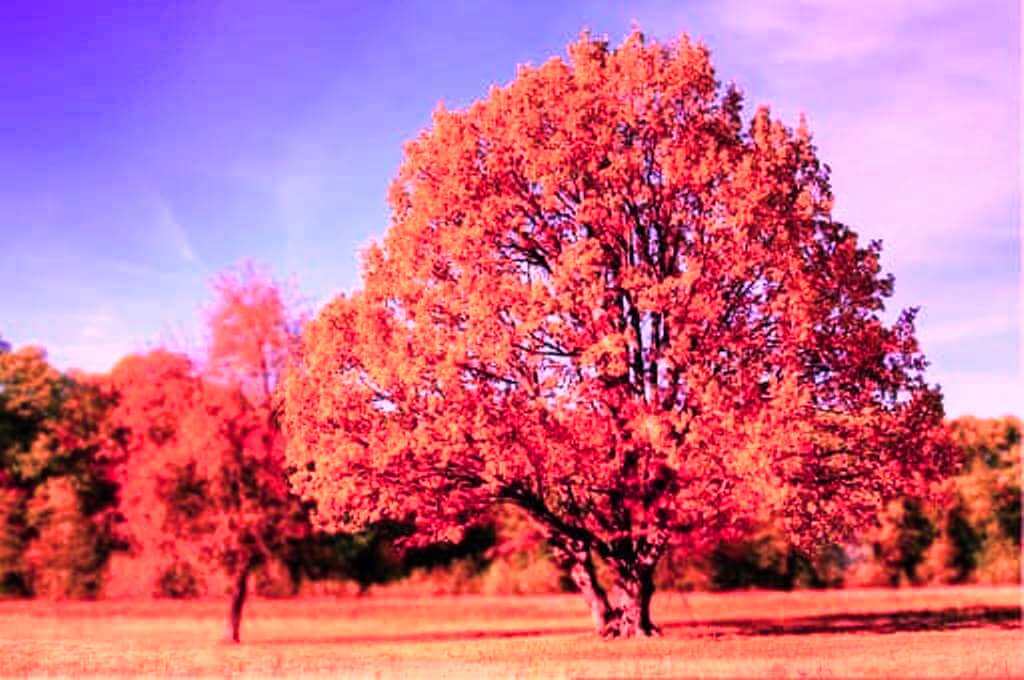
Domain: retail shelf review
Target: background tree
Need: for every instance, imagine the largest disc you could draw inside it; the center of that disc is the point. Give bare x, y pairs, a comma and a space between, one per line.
151, 460
605, 300
30, 400
68, 549
202, 453
58, 497
253, 328
29, 389
978, 530
896, 550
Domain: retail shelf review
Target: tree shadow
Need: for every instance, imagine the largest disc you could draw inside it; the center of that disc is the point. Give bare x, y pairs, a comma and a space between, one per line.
906, 621
1007, 617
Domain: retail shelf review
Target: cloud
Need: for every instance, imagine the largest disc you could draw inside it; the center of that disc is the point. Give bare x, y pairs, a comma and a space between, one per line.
318, 191
826, 30
296, 181
92, 340
915, 107
981, 393
930, 183
96, 325
171, 230
959, 330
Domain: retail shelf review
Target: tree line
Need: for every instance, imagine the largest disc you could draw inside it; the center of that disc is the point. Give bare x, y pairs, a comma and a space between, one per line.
87, 511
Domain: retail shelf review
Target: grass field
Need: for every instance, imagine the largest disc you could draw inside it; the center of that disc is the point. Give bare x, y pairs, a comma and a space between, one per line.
948, 632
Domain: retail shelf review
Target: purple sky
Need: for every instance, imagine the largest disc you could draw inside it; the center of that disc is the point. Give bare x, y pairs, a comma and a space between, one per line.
142, 148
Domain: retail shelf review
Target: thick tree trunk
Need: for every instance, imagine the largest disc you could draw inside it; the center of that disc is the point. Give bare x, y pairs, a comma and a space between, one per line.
626, 611
646, 595
238, 594
630, 600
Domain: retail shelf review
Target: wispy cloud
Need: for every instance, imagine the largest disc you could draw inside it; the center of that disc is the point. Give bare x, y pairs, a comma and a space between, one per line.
827, 30
312, 185
929, 183
918, 123
968, 328
172, 231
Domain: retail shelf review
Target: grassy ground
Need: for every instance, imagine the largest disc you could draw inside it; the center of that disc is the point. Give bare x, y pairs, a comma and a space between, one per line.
965, 632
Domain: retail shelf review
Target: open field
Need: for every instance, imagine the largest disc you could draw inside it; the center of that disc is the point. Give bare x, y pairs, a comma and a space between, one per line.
968, 632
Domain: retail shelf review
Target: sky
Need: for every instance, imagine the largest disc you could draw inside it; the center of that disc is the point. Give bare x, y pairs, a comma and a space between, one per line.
146, 146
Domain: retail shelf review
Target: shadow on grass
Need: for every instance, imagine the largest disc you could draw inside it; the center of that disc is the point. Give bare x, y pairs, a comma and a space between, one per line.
879, 623
874, 622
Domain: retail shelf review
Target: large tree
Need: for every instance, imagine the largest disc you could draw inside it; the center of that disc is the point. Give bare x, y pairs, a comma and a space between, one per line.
606, 299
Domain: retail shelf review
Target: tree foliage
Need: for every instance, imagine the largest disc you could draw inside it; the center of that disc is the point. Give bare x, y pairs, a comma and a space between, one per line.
978, 530
152, 460
607, 300
57, 507
199, 450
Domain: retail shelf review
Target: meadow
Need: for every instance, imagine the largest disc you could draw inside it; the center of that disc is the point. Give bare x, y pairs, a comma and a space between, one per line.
934, 632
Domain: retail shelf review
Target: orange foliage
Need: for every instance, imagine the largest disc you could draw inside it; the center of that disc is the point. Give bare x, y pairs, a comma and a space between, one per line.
154, 393
607, 301
199, 451
980, 525
253, 326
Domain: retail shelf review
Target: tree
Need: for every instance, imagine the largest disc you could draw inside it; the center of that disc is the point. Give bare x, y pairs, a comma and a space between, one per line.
607, 301
200, 440
148, 450
57, 496
979, 528
253, 329
29, 399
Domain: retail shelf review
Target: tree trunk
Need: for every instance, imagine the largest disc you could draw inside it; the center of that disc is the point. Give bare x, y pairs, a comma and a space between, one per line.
630, 600
626, 611
237, 602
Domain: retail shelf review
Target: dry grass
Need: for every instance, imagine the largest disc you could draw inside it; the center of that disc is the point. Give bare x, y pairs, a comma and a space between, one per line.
965, 632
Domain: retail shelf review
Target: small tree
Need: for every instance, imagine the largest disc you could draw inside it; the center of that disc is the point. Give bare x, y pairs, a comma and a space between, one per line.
607, 301
253, 329
202, 441
64, 557
31, 392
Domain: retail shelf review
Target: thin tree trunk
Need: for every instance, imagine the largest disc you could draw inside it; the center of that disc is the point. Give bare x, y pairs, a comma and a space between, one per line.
238, 602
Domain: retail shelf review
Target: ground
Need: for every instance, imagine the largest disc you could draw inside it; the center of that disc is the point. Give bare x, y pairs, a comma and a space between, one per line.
947, 632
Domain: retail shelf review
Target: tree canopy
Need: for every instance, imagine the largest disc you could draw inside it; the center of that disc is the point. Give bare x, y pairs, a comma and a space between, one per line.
607, 299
